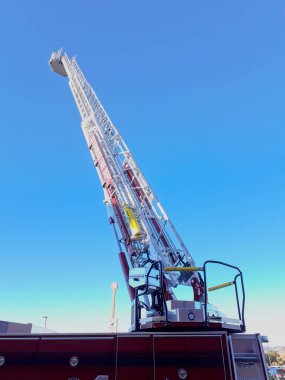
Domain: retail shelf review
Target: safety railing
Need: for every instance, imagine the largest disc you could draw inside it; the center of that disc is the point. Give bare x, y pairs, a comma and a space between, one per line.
237, 280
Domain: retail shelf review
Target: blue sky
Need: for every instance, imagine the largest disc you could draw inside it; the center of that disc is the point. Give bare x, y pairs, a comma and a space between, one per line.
197, 91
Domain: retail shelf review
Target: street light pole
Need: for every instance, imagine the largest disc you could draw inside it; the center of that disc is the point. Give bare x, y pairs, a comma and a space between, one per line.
114, 321
45, 318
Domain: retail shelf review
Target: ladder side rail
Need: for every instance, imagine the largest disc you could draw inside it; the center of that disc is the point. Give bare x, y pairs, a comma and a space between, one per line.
126, 151
88, 137
116, 174
178, 238
168, 253
94, 100
91, 140
121, 199
90, 94
110, 190
165, 220
79, 94
116, 133
113, 167
165, 259
99, 112
85, 122
85, 106
151, 197
107, 123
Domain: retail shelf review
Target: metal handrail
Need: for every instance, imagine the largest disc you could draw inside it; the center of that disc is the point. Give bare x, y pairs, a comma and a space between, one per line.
234, 282
137, 294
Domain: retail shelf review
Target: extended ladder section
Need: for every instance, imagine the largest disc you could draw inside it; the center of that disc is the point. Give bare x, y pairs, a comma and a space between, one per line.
147, 239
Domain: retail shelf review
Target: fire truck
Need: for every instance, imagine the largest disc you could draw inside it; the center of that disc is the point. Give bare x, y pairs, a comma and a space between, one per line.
169, 338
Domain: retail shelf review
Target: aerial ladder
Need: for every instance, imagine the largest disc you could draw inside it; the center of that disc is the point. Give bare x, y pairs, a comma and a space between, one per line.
153, 256
169, 338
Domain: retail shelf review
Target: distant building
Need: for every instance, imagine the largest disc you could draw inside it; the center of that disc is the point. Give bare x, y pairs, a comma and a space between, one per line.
22, 328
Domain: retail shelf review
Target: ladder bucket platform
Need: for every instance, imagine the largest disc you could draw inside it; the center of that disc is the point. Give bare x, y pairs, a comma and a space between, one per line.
56, 64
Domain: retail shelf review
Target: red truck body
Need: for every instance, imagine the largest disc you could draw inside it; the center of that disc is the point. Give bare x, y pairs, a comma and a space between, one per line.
139, 356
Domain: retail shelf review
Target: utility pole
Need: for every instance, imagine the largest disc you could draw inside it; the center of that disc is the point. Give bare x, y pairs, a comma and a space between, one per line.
113, 321
45, 318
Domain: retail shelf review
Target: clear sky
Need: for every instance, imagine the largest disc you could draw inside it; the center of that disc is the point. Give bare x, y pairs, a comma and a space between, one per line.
196, 88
